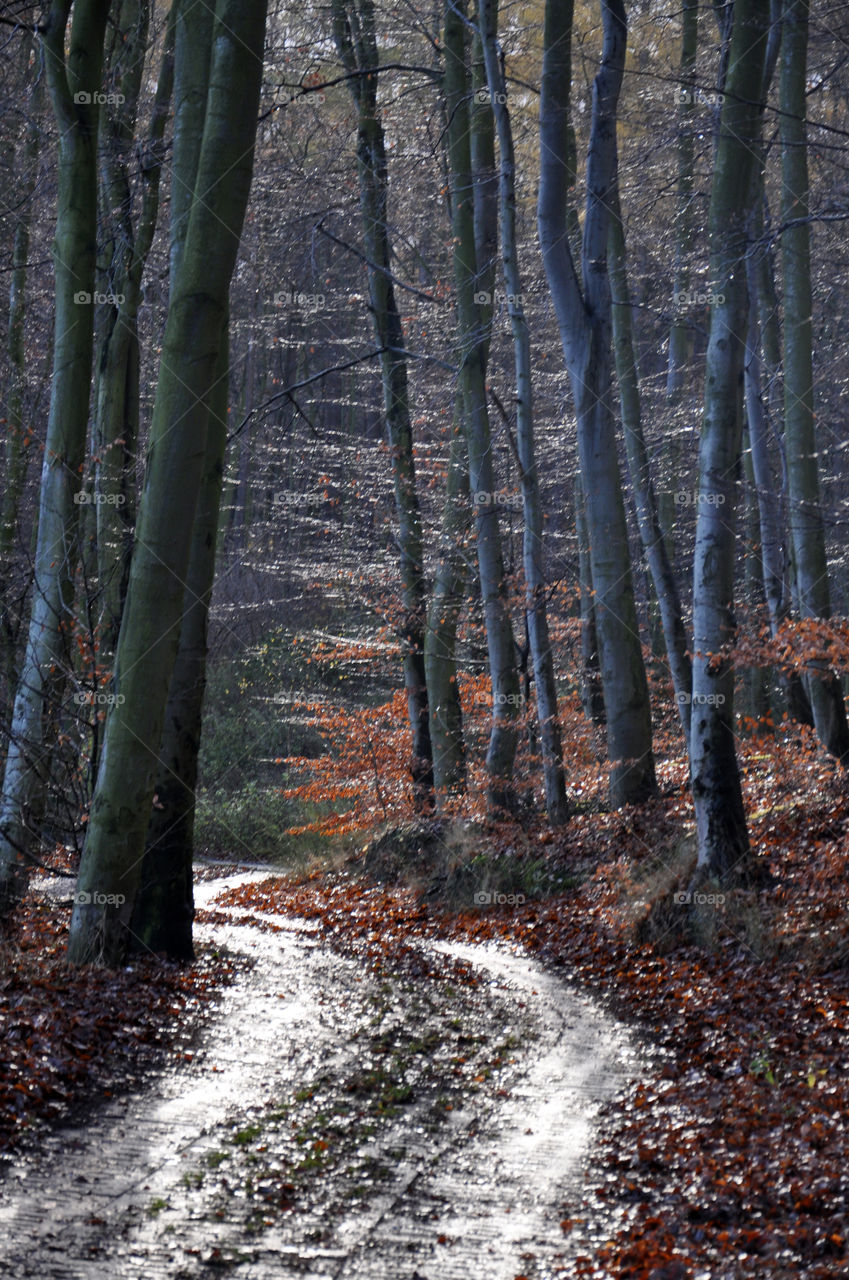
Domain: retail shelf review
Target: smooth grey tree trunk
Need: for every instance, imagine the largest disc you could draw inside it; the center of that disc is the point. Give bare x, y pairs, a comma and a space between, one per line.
116, 426
473, 334
73, 83
648, 519
539, 639
148, 642
583, 312
723, 845
805, 518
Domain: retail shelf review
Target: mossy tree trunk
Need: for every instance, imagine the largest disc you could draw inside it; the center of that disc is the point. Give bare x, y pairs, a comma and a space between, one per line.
148, 643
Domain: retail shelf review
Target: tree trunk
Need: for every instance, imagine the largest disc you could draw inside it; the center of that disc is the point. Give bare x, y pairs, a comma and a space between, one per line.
535, 583
806, 528
679, 331
592, 694
584, 319
473, 356
164, 905
147, 646
28, 759
651, 533
723, 846
117, 385
18, 436
353, 26
446, 602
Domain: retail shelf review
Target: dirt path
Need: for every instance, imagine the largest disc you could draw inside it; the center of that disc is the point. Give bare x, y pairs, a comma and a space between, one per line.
335, 1125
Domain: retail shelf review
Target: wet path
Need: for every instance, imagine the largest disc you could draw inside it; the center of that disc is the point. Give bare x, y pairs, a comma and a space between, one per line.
401, 1168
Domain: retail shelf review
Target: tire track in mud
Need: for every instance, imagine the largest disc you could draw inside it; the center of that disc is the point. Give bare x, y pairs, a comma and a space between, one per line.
151, 1185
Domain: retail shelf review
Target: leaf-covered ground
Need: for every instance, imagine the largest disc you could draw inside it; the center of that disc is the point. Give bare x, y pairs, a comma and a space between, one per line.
732, 1159
71, 1036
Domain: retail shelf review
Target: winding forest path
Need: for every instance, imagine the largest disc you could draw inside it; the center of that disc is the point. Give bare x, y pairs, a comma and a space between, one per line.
334, 1124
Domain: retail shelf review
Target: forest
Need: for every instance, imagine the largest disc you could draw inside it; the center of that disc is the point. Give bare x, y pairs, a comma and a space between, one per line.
424, 638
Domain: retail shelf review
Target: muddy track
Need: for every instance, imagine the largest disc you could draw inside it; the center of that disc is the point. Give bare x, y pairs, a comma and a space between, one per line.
332, 1125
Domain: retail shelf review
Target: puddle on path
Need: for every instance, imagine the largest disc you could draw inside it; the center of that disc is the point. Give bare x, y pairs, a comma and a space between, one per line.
151, 1185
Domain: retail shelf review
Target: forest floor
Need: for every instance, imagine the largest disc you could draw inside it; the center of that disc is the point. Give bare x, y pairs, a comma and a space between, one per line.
359, 1078
403, 1107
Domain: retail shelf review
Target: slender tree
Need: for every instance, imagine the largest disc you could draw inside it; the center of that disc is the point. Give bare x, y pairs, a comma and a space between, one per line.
356, 42
74, 84
805, 518
583, 312
534, 566
723, 846
473, 304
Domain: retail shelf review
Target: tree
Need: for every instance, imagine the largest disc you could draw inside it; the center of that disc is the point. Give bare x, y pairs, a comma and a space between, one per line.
535, 584
805, 520
74, 85
354, 33
583, 312
473, 307
148, 642
723, 846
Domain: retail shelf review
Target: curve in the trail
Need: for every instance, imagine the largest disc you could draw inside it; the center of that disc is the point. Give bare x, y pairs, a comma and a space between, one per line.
112, 1196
